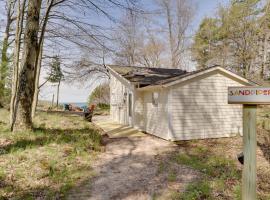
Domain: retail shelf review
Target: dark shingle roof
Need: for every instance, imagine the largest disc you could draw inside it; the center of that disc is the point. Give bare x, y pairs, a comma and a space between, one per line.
155, 76
147, 76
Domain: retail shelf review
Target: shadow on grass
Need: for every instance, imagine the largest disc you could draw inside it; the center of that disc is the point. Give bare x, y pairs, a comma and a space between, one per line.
43, 136
45, 192
220, 174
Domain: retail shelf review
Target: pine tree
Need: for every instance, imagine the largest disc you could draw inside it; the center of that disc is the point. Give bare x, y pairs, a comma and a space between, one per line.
56, 75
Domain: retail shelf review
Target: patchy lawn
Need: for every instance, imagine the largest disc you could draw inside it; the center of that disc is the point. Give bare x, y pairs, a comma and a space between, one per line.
216, 159
49, 161
58, 156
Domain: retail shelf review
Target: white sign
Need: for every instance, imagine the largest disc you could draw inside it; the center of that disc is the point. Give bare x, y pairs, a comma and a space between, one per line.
249, 95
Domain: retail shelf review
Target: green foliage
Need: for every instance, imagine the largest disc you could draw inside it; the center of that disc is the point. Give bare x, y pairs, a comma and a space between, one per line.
214, 166
230, 39
197, 191
216, 171
205, 38
237, 192
5, 68
104, 106
55, 75
100, 95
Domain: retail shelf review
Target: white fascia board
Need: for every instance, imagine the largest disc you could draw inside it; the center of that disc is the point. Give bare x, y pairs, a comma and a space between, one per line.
208, 71
122, 79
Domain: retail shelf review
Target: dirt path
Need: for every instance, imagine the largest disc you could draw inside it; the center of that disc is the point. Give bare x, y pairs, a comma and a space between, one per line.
131, 168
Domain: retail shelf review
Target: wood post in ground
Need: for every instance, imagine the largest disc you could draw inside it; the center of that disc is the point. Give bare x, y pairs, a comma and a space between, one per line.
249, 139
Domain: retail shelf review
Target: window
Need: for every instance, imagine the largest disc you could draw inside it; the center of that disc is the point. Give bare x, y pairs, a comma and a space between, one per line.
155, 98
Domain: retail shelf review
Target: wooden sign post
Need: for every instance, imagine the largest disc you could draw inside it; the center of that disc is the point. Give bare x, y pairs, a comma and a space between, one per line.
249, 139
250, 97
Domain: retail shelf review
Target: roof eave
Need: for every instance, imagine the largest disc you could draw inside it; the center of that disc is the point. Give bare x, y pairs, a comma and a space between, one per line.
120, 77
241, 79
150, 87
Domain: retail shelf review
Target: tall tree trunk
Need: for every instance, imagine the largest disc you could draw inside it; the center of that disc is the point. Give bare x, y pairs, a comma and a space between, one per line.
57, 99
266, 32
19, 27
4, 57
39, 58
169, 21
24, 99
37, 88
3, 70
264, 61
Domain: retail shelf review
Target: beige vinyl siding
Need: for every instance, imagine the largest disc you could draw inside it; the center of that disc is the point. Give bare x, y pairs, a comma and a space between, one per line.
156, 116
118, 109
199, 109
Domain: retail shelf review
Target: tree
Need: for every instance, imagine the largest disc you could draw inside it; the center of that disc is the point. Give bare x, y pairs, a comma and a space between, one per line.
206, 42
4, 50
240, 30
56, 75
16, 54
23, 103
62, 28
100, 95
38, 62
128, 39
150, 53
264, 37
178, 15
231, 39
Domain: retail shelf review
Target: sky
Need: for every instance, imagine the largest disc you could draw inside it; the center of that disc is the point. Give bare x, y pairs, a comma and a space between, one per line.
71, 93
206, 8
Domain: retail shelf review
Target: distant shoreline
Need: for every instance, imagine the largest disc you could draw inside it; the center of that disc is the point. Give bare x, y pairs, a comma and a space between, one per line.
79, 104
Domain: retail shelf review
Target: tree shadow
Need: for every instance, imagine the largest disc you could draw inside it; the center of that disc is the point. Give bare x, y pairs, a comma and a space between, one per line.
133, 171
45, 136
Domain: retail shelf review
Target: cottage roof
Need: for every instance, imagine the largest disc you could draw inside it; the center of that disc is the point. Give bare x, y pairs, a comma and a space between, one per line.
143, 76
147, 76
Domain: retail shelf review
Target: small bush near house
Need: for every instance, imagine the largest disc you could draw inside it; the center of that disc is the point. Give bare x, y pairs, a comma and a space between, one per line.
103, 106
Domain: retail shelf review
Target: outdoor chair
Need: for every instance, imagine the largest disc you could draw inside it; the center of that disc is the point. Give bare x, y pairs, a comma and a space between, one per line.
89, 112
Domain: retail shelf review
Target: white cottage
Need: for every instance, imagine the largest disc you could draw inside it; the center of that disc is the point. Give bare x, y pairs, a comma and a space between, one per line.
174, 104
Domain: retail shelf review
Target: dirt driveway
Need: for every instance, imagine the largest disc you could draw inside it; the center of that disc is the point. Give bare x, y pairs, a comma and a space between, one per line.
131, 168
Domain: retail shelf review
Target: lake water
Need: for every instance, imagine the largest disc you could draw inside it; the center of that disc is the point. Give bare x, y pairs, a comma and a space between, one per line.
80, 104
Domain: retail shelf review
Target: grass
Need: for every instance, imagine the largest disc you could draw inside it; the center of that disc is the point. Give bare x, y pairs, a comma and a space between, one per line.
48, 161
102, 109
220, 171
219, 175
197, 190
216, 160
